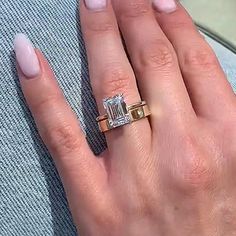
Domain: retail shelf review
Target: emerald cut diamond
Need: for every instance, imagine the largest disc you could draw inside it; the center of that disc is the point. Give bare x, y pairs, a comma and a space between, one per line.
117, 111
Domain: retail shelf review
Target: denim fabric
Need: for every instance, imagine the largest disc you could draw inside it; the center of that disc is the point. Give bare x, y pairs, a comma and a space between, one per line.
32, 200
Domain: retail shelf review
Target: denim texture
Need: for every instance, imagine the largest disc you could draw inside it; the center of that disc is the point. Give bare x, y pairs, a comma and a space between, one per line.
32, 199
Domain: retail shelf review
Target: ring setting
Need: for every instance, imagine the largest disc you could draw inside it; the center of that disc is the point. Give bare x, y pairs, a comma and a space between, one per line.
118, 113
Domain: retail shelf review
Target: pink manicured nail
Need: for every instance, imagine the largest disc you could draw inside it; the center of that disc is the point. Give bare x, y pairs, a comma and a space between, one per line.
166, 6
26, 56
96, 5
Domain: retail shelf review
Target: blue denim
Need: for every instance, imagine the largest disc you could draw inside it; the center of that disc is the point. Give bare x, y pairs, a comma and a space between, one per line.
32, 199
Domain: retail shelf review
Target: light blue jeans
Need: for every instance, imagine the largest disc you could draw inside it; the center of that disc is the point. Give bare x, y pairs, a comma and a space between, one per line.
32, 200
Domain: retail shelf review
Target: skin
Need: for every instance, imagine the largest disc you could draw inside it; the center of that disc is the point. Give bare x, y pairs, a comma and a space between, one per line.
172, 174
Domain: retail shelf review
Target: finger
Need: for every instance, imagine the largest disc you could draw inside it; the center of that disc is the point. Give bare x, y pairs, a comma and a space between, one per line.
110, 72
58, 125
154, 62
210, 92
109, 69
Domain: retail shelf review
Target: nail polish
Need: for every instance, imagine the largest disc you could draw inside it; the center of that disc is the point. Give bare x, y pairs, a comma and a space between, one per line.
166, 6
26, 56
95, 5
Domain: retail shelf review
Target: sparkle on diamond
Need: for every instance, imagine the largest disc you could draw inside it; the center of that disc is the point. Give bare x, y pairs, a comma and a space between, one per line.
116, 111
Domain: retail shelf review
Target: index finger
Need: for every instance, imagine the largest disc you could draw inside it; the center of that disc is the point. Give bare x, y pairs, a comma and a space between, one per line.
59, 128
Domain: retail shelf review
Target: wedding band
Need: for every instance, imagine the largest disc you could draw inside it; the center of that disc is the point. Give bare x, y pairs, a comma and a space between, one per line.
119, 114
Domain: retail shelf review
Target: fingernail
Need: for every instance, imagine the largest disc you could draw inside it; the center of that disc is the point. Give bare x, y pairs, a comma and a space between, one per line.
96, 5
166, 6
26, 56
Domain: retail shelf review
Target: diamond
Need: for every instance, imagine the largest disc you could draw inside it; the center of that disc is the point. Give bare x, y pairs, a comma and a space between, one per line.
117, 112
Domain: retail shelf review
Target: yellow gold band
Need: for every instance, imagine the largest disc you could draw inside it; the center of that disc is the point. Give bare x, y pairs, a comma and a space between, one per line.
131, 107
136, 112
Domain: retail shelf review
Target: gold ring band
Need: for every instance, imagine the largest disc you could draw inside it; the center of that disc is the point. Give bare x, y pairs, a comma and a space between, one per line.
135, 114
119, 114
131, 107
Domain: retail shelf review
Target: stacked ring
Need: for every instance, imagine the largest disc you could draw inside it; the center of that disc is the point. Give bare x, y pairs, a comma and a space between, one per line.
119, 114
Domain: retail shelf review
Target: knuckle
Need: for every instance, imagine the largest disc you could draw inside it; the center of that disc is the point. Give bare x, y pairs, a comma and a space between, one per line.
62, 139
203, 59
157, 56
115, 81
135, 8
99, 27
198, 175
197, 171
41, 105
179, 24
106, 218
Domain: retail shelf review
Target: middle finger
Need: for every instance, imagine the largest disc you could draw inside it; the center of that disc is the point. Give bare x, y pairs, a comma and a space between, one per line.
154, 61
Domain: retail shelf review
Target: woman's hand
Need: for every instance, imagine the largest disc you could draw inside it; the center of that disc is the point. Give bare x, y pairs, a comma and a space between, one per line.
173, 174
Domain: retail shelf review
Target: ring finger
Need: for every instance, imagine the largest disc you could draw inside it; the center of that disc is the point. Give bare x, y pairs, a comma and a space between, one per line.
110, 71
